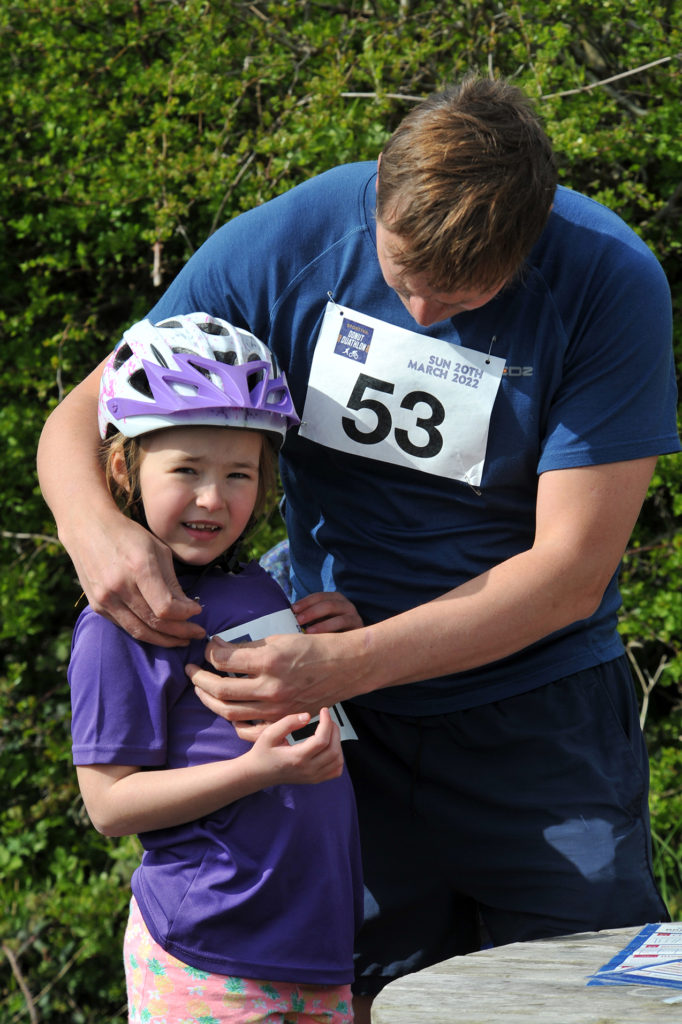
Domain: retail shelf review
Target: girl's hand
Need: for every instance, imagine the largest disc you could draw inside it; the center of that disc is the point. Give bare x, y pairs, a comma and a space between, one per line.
316, 759
328, 612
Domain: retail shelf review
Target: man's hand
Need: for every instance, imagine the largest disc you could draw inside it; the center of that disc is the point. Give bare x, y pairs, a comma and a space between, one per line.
280, 675
268, 679
127, 575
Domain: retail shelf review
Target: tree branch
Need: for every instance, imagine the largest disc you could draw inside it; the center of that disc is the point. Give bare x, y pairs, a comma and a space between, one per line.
42, 537
646, 680
550, 96
21, 982
613, 78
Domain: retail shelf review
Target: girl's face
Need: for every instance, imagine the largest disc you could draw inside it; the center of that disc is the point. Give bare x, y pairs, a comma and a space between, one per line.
198, 487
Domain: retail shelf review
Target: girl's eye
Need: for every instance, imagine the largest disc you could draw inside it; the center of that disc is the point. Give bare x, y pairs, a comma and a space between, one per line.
184, 469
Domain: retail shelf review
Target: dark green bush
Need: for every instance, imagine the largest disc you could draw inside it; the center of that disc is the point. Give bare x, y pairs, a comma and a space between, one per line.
130, 132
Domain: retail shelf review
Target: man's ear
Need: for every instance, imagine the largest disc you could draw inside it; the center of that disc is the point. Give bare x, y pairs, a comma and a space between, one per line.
119, 470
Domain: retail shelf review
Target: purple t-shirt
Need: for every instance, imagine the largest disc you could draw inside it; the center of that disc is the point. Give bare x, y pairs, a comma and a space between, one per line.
267, 887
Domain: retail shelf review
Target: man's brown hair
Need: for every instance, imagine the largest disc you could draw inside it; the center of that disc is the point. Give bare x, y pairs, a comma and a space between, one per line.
467, 181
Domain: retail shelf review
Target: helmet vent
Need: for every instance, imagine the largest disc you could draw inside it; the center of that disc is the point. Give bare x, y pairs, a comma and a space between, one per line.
161, 361
200, 369
277, 396
121, 356
226, 357
255, 378
209, 328
138, 380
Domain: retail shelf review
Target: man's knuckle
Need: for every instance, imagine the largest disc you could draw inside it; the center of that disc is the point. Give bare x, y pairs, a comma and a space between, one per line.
162, 607
101, 598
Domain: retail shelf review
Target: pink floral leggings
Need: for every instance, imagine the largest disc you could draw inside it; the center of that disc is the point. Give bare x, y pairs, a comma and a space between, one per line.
163, 990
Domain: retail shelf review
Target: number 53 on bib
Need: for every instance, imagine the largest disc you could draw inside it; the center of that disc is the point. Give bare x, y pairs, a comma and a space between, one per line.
381, 392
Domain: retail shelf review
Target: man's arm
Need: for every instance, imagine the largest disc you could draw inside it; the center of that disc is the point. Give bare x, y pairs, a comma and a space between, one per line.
125, 572
584, 519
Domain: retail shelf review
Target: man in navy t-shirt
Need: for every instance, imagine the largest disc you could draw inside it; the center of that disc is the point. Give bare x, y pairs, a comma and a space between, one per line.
483, 367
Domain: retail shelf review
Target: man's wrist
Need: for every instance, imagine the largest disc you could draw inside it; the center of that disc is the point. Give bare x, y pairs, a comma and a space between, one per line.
358, 658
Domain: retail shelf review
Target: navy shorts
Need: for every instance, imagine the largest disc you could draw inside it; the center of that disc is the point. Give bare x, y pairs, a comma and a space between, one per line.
527, 818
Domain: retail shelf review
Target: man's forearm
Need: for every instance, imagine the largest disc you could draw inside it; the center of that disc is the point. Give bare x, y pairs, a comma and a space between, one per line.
501, 612
584, 520
68, 462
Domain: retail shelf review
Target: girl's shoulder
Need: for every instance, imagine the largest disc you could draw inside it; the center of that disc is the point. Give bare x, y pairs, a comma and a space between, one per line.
98, 641
229, 599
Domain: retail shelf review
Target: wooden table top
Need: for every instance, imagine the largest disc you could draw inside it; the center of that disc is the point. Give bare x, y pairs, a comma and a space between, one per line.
540, 982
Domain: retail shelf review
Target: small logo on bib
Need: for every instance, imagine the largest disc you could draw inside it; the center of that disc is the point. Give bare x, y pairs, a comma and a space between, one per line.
353, 341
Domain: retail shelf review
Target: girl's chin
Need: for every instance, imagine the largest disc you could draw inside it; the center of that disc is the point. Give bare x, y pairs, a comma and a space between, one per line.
194, 557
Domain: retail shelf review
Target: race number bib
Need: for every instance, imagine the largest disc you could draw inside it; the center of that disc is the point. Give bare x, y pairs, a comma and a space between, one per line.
382, 392
284, 621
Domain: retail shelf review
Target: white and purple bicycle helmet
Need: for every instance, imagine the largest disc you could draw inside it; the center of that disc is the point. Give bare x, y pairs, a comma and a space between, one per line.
194, 370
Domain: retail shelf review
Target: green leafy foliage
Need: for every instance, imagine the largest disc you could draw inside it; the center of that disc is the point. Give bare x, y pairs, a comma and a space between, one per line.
131, 131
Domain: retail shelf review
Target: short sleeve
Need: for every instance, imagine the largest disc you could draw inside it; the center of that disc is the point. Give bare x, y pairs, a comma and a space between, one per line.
120, 691
618, 396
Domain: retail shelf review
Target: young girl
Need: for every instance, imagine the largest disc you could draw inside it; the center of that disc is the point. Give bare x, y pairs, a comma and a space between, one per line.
249, 893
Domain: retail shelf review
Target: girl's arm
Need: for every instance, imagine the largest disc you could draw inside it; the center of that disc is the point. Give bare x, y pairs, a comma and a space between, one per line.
123, 800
